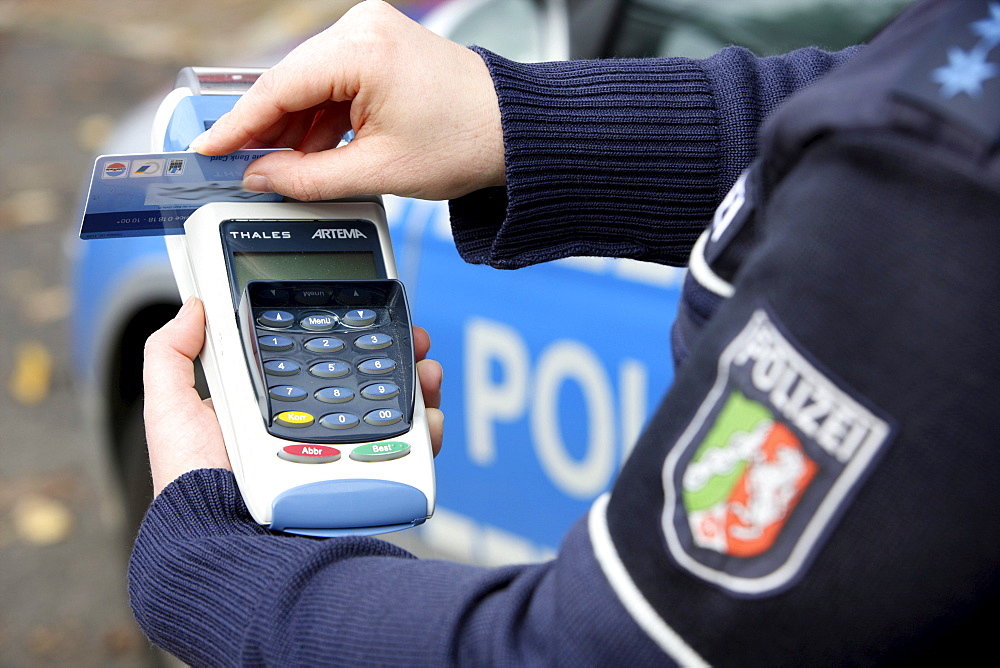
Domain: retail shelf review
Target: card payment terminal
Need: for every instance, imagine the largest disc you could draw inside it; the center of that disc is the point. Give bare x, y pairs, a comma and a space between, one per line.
308, 353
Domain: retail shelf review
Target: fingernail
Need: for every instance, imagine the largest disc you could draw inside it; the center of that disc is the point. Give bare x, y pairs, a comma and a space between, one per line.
200, 140
256, 183
186, 307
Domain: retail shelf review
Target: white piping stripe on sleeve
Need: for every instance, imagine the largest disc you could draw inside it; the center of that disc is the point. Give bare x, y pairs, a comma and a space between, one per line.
702, 273
629, 595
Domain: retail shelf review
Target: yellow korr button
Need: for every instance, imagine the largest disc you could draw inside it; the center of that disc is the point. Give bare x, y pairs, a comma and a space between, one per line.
294, 419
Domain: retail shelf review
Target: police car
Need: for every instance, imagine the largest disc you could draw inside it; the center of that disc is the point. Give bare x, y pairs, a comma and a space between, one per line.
542, 406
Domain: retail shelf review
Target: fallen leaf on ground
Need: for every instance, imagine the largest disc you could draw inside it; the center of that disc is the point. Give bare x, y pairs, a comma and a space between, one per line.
29, 382
40, 520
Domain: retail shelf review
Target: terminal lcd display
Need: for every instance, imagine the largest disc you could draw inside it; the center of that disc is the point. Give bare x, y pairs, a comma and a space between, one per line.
303, 266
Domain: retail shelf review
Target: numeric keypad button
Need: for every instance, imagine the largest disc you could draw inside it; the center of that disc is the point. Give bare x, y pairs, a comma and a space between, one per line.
273, 343
375, 341
375, 367
339, 421
330, 369
383, 417
335, 395
281, 368
380, 391
324, 345
287, 393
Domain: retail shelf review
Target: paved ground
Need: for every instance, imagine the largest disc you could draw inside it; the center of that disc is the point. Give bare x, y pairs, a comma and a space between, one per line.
68, 70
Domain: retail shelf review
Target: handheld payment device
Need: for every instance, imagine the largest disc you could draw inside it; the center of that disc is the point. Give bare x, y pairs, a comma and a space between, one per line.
308, 352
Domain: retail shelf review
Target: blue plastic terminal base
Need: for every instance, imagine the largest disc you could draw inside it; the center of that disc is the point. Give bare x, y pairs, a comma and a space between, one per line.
348, 508
337, 533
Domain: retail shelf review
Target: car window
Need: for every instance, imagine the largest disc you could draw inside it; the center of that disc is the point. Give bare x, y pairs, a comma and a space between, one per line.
511, 28
699, 28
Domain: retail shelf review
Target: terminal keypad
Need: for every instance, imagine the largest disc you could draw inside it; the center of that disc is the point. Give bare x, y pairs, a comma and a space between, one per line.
334, 374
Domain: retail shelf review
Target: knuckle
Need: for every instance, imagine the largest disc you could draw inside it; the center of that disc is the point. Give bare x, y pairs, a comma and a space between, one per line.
267, 82
370, 26
152, 344
271, 86
304, 188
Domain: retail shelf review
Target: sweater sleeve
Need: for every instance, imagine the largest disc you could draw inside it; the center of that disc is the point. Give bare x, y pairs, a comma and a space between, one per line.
214, 588
622, 158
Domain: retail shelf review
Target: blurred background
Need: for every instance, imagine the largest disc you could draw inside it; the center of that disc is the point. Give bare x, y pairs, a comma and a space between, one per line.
70, 73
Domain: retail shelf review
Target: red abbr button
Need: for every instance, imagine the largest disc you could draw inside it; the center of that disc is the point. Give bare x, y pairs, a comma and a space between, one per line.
304, 453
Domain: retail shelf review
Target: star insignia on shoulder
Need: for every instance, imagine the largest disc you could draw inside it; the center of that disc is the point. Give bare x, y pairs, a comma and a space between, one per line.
965, 73
989, 28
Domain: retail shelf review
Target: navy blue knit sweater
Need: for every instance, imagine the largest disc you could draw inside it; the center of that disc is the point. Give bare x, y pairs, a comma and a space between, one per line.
624, 158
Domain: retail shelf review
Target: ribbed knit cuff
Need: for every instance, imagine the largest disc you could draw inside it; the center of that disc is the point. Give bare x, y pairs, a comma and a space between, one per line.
616, 157
203, 573
187, 511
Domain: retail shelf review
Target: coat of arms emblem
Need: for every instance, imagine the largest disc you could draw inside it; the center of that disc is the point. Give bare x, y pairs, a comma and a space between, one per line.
767, 464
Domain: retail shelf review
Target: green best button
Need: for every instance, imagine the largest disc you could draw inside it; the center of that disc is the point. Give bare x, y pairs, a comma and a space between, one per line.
380, 452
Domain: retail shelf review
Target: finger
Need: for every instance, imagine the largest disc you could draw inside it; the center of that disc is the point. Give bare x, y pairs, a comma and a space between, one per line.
295, 128
170, 352
435, 425
182, 432
257, 114
421, 342
339, 172
168, 365
314, 73
287, 132
430, 375
328, 128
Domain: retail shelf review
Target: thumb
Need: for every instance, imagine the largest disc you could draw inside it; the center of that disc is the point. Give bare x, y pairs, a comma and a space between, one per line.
354, 169
182, 432
170, 351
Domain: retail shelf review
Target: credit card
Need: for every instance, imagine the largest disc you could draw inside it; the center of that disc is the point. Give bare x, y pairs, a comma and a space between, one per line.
147, 194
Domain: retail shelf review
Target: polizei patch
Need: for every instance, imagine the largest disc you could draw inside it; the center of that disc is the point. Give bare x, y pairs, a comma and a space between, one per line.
765, 468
